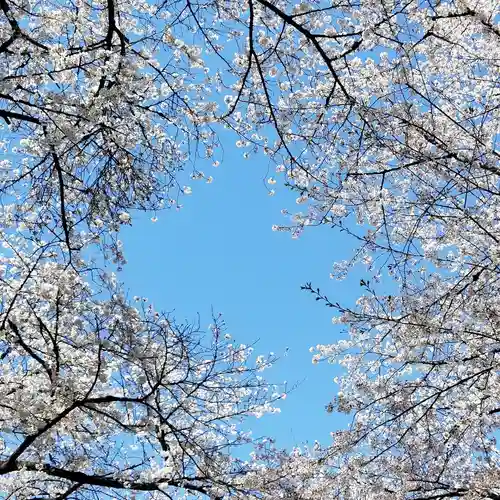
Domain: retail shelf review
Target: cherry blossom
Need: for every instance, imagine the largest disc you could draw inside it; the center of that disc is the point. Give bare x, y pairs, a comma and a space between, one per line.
382, 118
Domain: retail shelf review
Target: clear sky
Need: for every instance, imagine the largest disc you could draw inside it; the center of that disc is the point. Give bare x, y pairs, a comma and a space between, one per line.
219, 251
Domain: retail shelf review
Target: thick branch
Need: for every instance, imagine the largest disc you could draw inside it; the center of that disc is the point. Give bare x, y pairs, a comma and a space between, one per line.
8, 115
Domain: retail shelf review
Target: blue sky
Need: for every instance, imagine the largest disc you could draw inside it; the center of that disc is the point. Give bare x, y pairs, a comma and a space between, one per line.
219, 252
